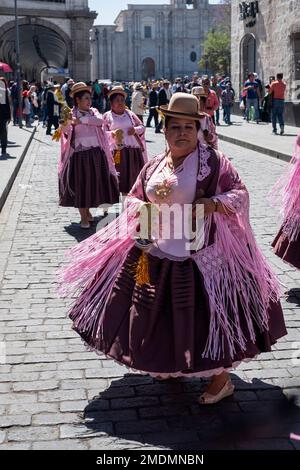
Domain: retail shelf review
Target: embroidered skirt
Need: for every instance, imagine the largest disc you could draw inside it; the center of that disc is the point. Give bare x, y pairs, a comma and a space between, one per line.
88, 181
129, 163
288, 251
162, 328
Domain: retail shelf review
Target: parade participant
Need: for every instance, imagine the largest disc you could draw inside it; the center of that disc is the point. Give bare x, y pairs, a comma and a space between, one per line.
166, 308
287, 242
87, 175
126, 135
207, 132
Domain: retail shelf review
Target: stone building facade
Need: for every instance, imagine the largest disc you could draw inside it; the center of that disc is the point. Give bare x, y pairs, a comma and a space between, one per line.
266, 40
149, 41
53, 34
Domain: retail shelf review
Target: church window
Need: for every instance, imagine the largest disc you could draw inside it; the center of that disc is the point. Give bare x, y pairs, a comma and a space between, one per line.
148, 32
193, 56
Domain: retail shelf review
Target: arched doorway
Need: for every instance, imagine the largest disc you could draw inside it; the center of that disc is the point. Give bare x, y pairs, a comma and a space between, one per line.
247, 56
148, 69
41, 46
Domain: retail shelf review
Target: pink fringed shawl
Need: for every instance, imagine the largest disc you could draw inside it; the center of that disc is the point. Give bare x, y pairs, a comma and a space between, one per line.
235, 272
286, 195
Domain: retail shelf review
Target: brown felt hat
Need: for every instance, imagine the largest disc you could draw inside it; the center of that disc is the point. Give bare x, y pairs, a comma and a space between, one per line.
79, 86
182, 105
117, 90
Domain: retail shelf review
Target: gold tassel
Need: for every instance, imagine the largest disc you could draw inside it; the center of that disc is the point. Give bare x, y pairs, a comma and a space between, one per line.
117, 157
142, 271
57, 135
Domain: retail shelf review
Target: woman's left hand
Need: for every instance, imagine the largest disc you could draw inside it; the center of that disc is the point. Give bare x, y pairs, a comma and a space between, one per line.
131, 131
209, 205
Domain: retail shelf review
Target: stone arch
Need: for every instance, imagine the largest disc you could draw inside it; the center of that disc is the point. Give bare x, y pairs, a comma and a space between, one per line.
58, 43
247, 56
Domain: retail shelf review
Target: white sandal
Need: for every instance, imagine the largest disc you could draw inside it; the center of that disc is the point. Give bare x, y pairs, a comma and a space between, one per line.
209, 399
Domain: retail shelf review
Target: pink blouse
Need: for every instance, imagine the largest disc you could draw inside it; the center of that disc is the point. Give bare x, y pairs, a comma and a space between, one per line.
181, 182
86, 136
123, 121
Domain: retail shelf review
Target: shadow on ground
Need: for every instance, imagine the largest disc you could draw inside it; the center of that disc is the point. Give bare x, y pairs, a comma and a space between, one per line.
147, 412
293, 296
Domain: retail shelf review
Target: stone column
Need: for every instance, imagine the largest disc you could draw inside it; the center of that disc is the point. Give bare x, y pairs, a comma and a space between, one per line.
81, 57
130, 42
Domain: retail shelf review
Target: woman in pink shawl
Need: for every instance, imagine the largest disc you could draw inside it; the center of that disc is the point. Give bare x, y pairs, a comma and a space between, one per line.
126, 134
87, 174
187, 306
287, 242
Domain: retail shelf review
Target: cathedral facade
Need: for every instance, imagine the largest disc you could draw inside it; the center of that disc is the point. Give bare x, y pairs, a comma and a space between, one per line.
150, 41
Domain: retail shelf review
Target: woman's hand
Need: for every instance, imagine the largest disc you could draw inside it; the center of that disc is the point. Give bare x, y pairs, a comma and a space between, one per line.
131, 131
75, 122
115, 133
209, 206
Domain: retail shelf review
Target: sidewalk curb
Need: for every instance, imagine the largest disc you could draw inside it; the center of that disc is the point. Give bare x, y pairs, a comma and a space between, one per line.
14, 174
257, 148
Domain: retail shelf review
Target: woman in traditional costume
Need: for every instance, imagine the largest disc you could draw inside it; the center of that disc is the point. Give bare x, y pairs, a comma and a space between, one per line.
126, 135
161, 305
207, 133
287, 242
87, 174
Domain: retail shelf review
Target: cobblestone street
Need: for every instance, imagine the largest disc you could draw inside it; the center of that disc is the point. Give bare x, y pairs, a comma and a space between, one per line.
56, 395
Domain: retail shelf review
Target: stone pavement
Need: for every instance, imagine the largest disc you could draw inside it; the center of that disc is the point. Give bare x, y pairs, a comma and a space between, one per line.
18, 143
259, 137
56, 395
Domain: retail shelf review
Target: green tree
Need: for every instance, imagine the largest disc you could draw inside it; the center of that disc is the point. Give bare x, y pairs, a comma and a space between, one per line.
216, 52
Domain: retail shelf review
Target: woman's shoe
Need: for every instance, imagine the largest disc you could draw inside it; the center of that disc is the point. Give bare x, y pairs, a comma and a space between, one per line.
209, 399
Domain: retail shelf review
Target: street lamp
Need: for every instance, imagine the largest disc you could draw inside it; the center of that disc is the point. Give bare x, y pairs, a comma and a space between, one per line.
18, 65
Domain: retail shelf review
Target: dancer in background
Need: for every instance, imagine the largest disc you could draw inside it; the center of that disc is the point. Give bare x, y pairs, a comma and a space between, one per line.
87, 174
287, 242
126, 135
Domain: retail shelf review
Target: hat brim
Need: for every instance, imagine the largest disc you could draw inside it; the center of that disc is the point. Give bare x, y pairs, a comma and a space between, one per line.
117, 92
166, 112
84, 88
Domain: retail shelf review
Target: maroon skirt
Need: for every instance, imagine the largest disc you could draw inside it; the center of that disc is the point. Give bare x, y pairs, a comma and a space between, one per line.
286, 250
88, 181
163, 327
131, 163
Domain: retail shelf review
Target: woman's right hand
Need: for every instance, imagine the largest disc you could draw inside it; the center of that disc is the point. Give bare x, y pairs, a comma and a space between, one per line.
75, 122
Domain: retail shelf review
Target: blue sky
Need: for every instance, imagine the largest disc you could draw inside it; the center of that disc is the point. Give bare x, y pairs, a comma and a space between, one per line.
108, 11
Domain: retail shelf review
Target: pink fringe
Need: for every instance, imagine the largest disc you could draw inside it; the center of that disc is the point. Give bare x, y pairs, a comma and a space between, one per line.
103, 254
286, 195
236, 276
107, 248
